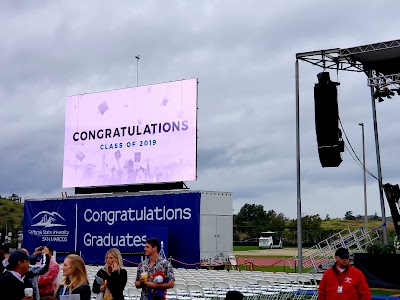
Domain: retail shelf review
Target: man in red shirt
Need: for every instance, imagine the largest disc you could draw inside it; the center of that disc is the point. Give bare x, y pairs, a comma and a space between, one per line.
343, 281
47, 281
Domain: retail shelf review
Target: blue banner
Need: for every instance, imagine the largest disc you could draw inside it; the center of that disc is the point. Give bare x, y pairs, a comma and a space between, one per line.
95, 225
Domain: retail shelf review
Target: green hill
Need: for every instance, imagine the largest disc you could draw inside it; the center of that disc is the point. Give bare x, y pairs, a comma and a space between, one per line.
11, 216
354, 224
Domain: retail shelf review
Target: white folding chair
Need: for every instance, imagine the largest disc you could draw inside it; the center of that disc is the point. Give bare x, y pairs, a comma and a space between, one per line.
231, 283
308, 288
268, 290
181, 291
134, 293
221, 288
246, 289
286, 289
208, 289
196, 292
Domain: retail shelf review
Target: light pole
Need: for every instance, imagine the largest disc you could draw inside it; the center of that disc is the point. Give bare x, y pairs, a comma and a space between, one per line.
6, 236
137, 69
365, 180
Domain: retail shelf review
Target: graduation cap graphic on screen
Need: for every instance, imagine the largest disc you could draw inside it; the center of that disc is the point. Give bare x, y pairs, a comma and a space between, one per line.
103, 107
80, 156
138, 156
165, 101
117, 154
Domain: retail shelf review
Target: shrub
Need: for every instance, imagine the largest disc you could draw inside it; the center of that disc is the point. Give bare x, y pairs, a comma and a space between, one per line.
377, 250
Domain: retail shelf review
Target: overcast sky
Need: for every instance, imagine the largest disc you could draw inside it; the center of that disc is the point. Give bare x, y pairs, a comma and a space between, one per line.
243, 54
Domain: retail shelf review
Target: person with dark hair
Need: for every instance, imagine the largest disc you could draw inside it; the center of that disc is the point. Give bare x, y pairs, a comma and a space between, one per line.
35, 269
154, 242
234, 295
47, 282
343, 281
155, 274
12, 283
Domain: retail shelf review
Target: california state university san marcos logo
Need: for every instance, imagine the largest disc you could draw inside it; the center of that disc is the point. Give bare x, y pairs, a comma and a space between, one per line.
44, 223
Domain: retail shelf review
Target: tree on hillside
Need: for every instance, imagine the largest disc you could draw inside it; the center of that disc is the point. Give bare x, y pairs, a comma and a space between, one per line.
313, 224
253, 219
274, 221
375, 217
311, 229
250, 215
14, 197
349, 215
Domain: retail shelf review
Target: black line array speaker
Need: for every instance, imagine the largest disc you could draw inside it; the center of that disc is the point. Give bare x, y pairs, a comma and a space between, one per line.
329, 136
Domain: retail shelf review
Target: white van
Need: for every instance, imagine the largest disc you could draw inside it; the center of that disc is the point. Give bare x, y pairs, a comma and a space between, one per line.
269, 239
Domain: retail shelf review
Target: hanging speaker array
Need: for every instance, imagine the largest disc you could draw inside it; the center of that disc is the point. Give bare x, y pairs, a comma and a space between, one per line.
329, 136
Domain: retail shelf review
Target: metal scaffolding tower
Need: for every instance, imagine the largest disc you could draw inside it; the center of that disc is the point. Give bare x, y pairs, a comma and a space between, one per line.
381, 63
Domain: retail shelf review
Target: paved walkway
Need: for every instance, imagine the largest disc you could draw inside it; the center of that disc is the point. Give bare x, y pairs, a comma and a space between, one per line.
273, 252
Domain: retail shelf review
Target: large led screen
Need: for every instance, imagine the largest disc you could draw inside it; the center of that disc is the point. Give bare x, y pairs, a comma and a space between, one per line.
145, 134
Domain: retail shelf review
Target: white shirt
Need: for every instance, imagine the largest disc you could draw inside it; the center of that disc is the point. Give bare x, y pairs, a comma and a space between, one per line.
18, 276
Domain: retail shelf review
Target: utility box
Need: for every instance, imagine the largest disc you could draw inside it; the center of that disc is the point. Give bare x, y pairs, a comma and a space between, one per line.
196, 227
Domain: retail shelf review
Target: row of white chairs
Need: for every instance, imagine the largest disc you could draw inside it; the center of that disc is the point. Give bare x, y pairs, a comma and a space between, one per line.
284, 288
192, 276
203, 284
196, 273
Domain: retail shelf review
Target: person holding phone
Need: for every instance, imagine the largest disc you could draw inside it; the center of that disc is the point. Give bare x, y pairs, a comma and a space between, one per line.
35, 269
48, 281
75, 280
114, 277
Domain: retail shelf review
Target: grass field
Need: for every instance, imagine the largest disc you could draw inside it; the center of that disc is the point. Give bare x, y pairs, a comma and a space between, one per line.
244, 248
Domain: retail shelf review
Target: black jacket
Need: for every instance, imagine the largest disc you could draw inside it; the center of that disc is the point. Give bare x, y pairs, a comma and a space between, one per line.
11, 288
115, 283
83, 291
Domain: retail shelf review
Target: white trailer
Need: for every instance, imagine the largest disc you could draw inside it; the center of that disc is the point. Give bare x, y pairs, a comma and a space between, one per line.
216, 223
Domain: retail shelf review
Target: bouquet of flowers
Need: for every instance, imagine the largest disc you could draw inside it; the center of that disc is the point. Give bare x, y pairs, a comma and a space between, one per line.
157, 294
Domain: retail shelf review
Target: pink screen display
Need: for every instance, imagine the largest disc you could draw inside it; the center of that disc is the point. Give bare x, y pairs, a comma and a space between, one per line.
137, 135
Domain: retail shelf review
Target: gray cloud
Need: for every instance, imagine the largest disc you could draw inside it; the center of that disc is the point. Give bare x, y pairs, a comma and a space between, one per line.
243, 56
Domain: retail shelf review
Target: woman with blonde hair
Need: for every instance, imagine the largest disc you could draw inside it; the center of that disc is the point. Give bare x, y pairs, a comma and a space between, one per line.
75, 280
113, 276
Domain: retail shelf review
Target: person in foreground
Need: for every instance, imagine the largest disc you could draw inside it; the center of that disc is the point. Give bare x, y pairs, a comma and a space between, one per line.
155, 274
343, 281
12, 281
234, 295
113, 275
74, 279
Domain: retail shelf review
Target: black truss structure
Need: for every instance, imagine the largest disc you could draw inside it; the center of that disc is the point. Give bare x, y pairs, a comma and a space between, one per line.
381, 63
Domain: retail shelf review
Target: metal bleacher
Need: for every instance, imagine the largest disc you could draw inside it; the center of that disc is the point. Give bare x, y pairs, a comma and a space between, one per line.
321, 256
